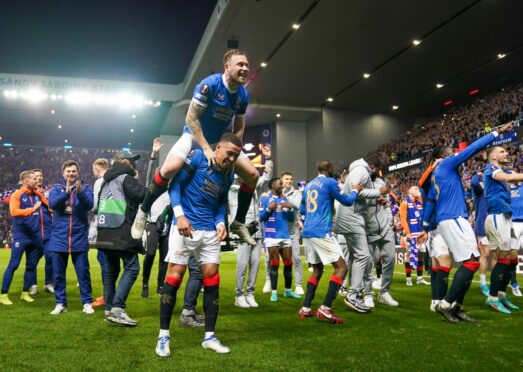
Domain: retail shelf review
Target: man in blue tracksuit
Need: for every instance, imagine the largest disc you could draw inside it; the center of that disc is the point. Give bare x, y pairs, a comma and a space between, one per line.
46, 220
25, 208
71, 200
449, 205
275, 213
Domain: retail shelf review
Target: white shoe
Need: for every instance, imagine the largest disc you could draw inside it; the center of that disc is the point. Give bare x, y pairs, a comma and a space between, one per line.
163, 349
49, 288
369, 301
386, 298
516, 291
251, 301
433, 305
240, 301
212, 343
310, 269
408, 282
376, 284
267, 287
60, 308
138, 226
34, 290
299, 290
88, 309
421, 280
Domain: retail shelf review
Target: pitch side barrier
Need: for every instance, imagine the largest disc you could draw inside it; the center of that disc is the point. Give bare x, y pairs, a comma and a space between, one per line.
401, 256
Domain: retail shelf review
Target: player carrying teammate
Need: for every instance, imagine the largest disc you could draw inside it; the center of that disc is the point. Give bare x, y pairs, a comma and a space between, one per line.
216, 100
199, 200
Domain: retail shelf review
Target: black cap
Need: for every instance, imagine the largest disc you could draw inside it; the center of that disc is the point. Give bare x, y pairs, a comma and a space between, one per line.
126, 154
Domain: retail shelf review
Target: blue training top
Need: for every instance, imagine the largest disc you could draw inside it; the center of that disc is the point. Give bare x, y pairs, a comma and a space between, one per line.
221, 105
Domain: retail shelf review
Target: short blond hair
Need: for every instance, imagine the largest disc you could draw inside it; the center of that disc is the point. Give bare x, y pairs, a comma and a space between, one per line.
102, 163
232, 52
26, 175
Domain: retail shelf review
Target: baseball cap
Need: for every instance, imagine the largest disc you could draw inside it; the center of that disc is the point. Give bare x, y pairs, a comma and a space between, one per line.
126, 154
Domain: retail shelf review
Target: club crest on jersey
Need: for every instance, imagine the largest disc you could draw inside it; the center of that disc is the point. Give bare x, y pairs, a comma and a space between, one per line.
204, 89
493, 167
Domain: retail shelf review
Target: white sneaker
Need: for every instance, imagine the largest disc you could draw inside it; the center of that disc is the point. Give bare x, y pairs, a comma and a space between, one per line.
240, 301
516, 291
267, 287
386, 298
34, 290
88, 309
138, 226
212, 343
49, 288
408, 282
421, 280
376, 284
251, 301
163, 349
119, 316
369, 301
299, 290
433, 305
60, 308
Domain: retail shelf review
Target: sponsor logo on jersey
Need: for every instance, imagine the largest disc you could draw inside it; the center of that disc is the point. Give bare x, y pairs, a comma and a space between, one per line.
220, 97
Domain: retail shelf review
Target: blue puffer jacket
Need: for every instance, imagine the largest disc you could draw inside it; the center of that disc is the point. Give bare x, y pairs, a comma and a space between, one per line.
69, 231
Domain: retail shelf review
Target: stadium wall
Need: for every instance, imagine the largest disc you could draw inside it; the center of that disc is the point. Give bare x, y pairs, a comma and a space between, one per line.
342, 136
291, 148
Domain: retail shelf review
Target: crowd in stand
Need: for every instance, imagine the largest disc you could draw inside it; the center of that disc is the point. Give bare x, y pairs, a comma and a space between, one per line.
14, 160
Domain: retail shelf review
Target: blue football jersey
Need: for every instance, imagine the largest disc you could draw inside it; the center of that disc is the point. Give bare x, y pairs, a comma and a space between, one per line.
318, 205
480, 205
516, 191
497, 193
275, 222
221, 105
201, 191
446, 180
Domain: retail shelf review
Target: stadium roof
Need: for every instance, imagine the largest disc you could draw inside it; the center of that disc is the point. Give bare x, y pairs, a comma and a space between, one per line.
326, 54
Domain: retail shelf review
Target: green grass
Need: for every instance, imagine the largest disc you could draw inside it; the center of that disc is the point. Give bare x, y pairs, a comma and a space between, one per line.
270, 337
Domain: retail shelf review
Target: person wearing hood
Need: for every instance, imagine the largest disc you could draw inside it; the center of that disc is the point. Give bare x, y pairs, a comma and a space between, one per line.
71, 200
351, 222
120, 195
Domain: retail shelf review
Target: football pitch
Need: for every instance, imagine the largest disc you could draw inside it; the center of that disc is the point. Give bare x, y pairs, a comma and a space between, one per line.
270, 337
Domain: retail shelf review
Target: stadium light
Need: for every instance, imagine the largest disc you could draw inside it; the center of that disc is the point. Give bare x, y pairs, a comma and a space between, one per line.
278, 115
501, 55
7, 144
395, 107
53, 112
439, 85
330, 99
366, 76
416, 42
68, 147
263, 64
66, 141
296, 26
475, 91
126, 149
132, 130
